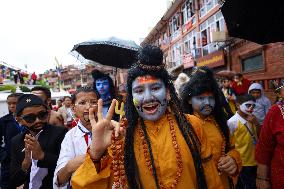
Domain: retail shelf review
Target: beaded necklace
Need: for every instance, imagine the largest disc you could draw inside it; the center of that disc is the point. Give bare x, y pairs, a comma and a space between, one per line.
177, 152
117, 165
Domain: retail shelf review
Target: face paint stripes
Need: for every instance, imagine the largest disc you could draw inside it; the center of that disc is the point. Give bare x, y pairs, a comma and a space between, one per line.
146, 79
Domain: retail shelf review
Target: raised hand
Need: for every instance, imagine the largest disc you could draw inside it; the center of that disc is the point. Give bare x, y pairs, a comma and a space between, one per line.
33, 144
102, 129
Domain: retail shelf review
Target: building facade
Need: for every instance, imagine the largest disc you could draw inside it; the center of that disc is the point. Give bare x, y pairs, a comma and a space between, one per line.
193, 33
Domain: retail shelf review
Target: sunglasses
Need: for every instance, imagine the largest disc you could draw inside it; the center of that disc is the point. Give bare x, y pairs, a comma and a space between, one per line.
31, 118
250, 106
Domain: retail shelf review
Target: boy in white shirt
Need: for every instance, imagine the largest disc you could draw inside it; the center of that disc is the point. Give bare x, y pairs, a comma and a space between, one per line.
77, 140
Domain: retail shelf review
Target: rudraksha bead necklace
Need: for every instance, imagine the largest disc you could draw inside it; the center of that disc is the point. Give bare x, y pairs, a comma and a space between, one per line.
176, 148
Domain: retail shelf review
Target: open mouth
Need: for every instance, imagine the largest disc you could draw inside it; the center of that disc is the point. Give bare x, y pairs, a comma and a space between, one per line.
151, 108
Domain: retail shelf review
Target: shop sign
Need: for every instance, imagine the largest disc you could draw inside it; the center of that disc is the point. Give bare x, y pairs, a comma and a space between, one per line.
212, 60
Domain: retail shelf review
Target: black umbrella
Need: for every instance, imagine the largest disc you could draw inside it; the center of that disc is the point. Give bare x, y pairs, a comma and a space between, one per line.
113, 51
255, 20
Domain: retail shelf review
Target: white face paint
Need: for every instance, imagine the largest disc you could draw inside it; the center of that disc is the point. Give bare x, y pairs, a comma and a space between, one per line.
203, 104
149, 97
247, 107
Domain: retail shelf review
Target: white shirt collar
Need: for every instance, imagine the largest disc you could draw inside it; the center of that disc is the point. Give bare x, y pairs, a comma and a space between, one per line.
78, 131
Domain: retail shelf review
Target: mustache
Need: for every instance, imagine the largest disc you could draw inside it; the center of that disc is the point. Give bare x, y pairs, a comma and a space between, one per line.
206, 106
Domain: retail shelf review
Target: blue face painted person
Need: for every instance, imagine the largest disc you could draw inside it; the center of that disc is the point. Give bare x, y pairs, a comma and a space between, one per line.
149, 97
102, 86
203, 104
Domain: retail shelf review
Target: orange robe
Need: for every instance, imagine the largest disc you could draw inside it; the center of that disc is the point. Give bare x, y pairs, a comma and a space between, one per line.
215, 138
164, 155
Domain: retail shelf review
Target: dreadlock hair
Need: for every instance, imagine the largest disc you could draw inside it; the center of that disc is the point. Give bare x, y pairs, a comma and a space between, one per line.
149, 59
201, 81
97, 75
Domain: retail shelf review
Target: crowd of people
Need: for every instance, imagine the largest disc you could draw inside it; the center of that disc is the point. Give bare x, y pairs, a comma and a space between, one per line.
191, 133
24, 78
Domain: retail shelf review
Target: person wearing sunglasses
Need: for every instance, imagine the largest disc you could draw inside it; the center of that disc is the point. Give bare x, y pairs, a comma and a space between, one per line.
77, 140
34, 152
243, 127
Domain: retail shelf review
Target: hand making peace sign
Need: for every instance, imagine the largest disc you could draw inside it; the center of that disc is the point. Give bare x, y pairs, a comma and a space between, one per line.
102, 129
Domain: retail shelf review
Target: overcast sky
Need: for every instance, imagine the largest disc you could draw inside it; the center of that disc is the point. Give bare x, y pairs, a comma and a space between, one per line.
34, 32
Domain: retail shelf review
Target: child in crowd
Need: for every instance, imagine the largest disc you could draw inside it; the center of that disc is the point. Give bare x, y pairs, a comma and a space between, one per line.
229, 93
262, 102
77, 140
243, 127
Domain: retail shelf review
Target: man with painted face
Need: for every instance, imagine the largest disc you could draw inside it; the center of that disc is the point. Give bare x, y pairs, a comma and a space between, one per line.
201, 97
103, 85
243, 129
34, 152
163, 148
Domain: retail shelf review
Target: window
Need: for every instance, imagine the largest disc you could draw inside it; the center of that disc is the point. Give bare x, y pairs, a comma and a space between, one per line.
190, 43
214, 23
252, 63
175, 26
187, 11
176, 54
206, 6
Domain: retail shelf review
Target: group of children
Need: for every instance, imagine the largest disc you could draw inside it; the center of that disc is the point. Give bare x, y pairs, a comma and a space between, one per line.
250, 110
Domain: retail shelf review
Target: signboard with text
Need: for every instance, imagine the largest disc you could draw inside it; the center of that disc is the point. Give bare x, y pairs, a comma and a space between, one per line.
212, 60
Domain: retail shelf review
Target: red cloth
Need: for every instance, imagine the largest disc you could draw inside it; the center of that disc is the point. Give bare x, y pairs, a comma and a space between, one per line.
270, 147
74, 122
34, 76
241, 89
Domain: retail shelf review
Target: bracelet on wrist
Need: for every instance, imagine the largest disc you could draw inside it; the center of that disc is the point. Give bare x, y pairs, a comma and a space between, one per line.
261, 178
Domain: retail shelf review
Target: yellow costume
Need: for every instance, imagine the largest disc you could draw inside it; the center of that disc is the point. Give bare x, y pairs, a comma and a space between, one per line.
217, 142
165, 160
244, 141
